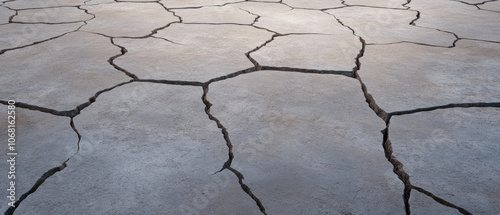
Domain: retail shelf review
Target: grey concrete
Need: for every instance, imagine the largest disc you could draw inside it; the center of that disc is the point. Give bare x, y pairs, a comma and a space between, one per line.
52, 15
162, 167
465, 141
20, 35
75, 71
5, 14
313, 4
316, 52
226, 14
114, 19
306, 137
453, 19
27, 4
466, 73
288, 98
378, 3
383, 26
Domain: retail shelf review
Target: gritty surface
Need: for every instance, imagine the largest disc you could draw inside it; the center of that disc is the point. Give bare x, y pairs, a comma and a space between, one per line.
251, 107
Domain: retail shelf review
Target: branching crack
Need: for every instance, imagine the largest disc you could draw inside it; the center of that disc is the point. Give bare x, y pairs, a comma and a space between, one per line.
46, 175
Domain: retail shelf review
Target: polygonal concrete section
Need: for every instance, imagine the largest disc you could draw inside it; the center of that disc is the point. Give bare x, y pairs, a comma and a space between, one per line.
308, 140
215, 50
163, 159
78, 66
437, 76
114, 19
271, 107
452, 153
314, 52
452, 19
226, 14
21, 35
383, 26
33, 4
52, 15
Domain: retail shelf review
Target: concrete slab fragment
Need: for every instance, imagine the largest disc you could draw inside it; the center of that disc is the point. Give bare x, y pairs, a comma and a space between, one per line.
453, 154
284, 20
464, 20
93, 2
378, 3
32, 4
306, 143
214, 51
316, 52
52, 15
5, 15
60, 74
18, 35
134, 162
379, 25
194, 3
313, 4
115, 20
493, 6
224, 14
43, 141
408, 76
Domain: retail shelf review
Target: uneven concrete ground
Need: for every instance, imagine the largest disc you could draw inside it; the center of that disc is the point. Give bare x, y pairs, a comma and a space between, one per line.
252, 107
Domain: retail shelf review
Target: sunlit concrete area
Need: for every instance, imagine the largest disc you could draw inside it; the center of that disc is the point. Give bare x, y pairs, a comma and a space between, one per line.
232, 107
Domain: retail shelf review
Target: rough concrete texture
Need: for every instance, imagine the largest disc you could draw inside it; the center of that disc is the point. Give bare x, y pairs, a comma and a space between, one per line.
31, 4
251, 107
378, 3
465, 73
468, 155
52, 15
383, 26
224, 14
14, 36
69, 70
491, 6
453, 20
278, 122
116, 20
5, 15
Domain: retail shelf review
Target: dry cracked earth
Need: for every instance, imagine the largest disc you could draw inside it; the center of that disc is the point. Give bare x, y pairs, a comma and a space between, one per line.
252, 107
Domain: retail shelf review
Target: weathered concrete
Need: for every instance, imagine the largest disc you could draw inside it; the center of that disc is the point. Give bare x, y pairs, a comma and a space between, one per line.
131, 158
31, 4
195, 3
216, 50
288, 98
115, 20
284, 20
314, 52
378, 3
313, 4
52, 15
493, 6
449, 16
306, 137
466, 73
226, 14
383, 26
78, 68
452, 153
20, 35
5, 14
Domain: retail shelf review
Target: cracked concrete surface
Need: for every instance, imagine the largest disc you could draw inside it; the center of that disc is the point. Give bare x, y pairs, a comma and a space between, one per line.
252, 107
